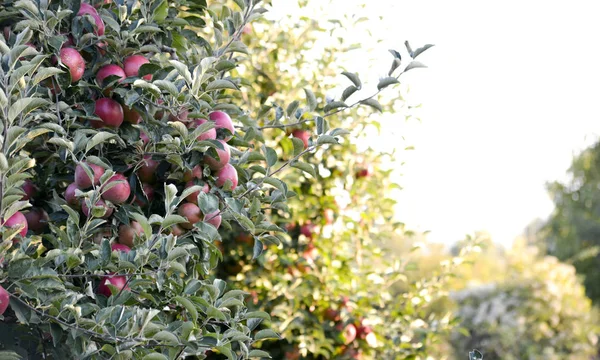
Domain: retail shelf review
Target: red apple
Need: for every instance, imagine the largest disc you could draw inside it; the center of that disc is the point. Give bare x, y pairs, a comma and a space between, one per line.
72, 59
70, 194
177, 230
30, 190
110, 112
195, 173
365, 172
223, 124
133, 117
227, 173
213, 218
109, 70
302, 135
99, 203
87, 9
4, 300
181, 116
83, 181
37, 220
247, 29
147, 172
144, 137
349, 333
244, 238
193, 197
117, 281
191, 212
17, 220
127, 233
132, 66
209, 135
120, 247
307, 230
311, 253
148, 191
363, 330
118, 193
332, 315
224, 156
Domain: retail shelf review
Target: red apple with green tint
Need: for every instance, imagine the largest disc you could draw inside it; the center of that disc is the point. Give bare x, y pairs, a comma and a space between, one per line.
82, 179
181, 116
349, 333
191, 212
302, 135
144, 137
127, 233
29, 189
70, 197
193, 197
147, 171
195, 173
17, 220
211, 134
37, 220
148, 191
227, 173
72, 59
131, 116
213, 218
110, 112
120, 247
223, 124
100, 203
224, 156
119, 193
117, 281
4, 300
109, 70
132, 65
177, 230
87, 9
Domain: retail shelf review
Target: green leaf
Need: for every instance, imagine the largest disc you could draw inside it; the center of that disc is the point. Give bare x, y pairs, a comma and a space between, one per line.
172, 220
420, 50
166, 338
354, 78
257, 315
414, 65
298, 146
266, 334
167, 86
307, 168
189, 307
385, 82
215, 313
257, 249
221, 84
334, 105
9, 355
327, 139
155, 356
141, 219
348, 92
259, 354
310, 99
291, 109
271, 156
278, 184
373, 103
24, 107
98, 139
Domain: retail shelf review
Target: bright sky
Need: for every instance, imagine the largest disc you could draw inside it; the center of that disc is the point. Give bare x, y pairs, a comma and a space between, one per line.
512, 90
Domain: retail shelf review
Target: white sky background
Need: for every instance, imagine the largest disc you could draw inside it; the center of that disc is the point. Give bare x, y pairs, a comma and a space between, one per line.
512, 90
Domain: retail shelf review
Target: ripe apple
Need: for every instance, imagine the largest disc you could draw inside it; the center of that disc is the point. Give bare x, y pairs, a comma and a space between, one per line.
87, 9
160, 113
131, 116
144, 137
224, 156
209, 135
148, 191
191, 212
247, 29
332, 315
311, 253
302, 135
181, 116
17, 220
117, 281
213, 218
147, 172
30, 190
349, 334
127, 233
227, 173
70, 194
109, 70
4, 300
292, 355
83, 181
177, 230
307, 230
72, 59
365, 172
118, 193
132, 66
120, 247
223, 124
37, 220
100, 203
110, 112
195, 173
193, 197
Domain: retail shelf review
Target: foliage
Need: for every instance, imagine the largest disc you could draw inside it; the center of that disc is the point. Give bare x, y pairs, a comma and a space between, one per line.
166, 302
572, 231
539, 310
